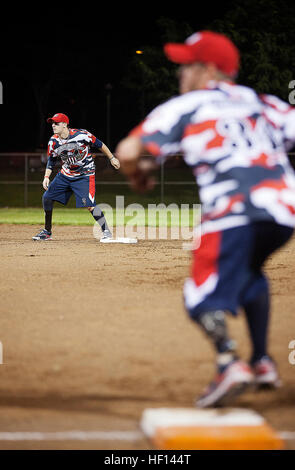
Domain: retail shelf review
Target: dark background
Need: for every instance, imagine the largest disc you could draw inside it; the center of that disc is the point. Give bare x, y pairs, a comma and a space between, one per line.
79, 59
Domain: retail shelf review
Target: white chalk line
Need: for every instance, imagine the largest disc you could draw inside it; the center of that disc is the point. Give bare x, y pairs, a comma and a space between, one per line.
129, 436
72, 436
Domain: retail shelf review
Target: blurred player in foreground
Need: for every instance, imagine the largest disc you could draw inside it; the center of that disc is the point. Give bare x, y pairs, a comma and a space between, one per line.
77, 174
235, 141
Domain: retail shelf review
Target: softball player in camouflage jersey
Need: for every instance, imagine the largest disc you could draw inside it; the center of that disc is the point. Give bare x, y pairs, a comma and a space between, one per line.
235, 141
77, 174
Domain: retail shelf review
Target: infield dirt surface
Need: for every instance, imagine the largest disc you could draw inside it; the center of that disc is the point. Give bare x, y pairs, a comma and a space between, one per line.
93, 334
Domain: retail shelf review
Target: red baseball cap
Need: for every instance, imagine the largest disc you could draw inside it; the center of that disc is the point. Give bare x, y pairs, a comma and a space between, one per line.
206, 47
59, 117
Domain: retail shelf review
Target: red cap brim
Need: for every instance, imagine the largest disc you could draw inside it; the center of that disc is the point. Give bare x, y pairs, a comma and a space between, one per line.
179, 53
58, 118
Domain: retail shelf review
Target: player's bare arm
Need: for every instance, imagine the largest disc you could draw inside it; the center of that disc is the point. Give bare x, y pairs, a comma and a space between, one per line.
113, 160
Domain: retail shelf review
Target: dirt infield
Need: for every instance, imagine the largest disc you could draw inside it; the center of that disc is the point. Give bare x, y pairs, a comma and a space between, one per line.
93, 334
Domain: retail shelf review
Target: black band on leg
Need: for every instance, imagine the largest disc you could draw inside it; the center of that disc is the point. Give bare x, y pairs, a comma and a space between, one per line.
47, 203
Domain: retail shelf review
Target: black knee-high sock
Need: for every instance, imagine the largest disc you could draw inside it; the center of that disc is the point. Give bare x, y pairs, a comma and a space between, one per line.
99, 217
48, 220
48, 208
257, 314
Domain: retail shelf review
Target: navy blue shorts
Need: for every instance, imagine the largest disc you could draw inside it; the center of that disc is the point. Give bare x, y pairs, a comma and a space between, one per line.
62, 187
227, 267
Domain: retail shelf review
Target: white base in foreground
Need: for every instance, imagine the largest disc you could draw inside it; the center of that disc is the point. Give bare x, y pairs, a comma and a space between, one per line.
153, 418
118, 240
212, 429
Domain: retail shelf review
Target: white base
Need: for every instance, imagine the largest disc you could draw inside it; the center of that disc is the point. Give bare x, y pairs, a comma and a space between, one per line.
118, 240
153, 418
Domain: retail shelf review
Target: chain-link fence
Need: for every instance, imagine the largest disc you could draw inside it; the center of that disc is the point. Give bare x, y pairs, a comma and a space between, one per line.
21, 176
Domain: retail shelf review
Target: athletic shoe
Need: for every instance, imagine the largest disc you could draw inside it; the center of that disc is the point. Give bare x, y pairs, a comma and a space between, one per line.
106, 234
43, 235
234, 380
266, 373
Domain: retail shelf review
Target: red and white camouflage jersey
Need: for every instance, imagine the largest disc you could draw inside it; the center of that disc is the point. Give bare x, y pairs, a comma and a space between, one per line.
235, 142
74, 153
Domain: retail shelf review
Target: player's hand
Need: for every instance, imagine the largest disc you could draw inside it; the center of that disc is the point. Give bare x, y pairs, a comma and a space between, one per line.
142, 179
115, 163
46, 182
138, 171
141, 182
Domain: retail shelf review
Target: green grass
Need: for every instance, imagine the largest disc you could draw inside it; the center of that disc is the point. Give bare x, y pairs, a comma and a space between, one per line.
34, 216
69, 216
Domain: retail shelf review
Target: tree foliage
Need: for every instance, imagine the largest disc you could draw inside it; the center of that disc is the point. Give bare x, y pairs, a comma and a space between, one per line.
264, 32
